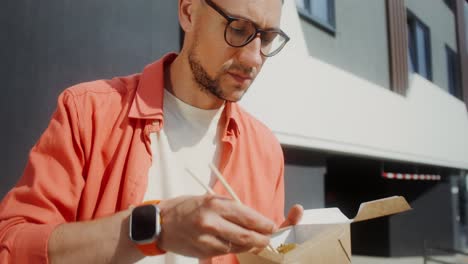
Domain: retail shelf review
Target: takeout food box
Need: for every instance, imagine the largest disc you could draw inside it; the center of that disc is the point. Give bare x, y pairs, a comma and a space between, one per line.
323, 235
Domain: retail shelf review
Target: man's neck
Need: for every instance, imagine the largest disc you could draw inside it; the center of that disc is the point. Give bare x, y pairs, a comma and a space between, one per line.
179, 81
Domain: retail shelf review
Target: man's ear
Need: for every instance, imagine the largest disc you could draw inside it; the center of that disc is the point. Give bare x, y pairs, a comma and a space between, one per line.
186, 14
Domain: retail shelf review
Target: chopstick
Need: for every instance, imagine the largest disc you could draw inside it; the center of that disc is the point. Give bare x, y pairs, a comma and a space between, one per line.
224, 182
220, 177
206, 187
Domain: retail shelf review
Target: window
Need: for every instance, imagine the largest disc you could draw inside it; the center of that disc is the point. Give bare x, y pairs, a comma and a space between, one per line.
318, 12
419, 47
453, 73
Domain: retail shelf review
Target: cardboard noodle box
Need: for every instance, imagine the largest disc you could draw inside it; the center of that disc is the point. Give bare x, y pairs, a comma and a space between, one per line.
323, 235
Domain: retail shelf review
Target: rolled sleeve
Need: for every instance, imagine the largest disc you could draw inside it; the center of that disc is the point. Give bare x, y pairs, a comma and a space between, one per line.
28, 244
49, 191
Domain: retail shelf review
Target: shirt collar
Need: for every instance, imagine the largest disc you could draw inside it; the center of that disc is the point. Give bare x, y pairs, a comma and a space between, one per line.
231, 111
148, 101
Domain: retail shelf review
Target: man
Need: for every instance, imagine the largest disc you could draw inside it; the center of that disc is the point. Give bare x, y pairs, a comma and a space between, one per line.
115, 144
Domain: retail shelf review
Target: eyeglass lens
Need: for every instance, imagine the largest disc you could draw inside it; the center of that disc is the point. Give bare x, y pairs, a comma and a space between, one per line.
240, 32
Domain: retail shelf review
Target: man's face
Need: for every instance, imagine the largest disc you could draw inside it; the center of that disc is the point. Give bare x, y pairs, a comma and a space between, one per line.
225, 71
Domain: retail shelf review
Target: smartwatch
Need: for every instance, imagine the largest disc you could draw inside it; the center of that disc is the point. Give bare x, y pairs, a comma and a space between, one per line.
145, 227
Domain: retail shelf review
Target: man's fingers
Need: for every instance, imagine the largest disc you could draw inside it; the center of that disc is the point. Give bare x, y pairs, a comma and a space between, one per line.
211, 246
245, 217
294, 216
205, 226
255, 250
242, 238
242, 226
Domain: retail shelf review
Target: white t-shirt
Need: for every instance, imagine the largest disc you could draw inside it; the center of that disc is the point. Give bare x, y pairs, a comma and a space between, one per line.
190, 138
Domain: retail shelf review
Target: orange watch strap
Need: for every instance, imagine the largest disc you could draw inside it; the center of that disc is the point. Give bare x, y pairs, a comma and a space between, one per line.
151, 202
150, 249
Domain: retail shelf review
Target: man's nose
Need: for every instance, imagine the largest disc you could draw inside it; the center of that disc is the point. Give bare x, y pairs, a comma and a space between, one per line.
250, 55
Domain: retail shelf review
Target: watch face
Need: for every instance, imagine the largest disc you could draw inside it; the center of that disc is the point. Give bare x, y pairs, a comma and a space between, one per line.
143, 223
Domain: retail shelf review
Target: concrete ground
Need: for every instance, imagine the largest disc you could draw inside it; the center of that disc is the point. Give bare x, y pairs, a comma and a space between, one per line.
377, 260
409, 260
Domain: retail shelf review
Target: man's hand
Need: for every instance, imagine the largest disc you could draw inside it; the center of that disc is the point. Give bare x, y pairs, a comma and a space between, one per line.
294, 216
207, 226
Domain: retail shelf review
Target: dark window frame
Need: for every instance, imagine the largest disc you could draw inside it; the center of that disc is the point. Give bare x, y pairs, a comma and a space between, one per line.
450, 4
328, 26
465, 6
412, 22
453, 73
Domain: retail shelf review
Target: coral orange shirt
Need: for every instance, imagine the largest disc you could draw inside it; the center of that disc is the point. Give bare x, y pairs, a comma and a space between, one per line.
93, 161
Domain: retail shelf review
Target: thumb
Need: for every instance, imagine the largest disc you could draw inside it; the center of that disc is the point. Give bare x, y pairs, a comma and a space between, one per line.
294, 216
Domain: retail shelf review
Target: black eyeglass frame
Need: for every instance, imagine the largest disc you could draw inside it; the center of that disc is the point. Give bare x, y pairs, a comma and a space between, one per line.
231, 19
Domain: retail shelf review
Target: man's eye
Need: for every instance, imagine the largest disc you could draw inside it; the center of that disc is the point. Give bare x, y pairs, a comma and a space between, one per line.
238, 31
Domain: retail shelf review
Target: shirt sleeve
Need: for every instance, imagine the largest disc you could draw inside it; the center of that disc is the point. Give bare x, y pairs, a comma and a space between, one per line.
48, 192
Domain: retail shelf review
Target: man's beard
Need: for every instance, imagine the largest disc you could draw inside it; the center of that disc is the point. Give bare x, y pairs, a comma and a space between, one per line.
204, 81
212, 85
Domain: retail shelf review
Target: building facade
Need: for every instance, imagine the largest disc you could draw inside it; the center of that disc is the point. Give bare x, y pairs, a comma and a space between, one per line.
374, 104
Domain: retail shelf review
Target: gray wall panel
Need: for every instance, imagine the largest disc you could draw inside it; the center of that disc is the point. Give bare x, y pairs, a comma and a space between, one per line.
431, 218
359, 45
48, 46
304, 185
304, 178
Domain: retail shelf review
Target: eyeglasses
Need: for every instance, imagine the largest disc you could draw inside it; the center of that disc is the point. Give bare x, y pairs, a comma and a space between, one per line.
240, 32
